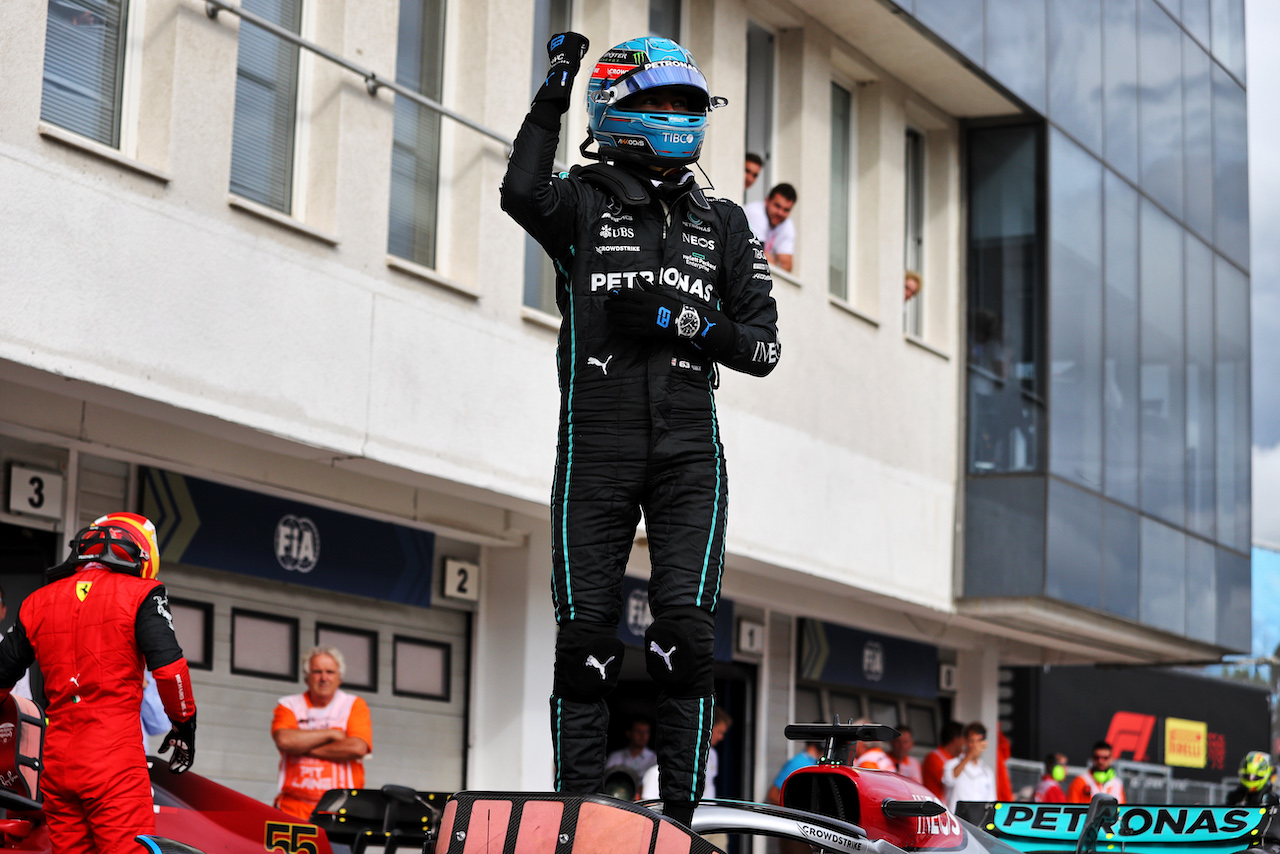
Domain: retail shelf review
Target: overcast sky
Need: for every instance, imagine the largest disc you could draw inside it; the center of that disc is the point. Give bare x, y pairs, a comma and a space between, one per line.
1262, 27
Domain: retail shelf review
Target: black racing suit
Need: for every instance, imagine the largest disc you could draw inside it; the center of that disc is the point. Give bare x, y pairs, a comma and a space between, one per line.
1242, 797
638, 426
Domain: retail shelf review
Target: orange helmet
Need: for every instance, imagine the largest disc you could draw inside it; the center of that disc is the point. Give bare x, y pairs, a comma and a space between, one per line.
124, 542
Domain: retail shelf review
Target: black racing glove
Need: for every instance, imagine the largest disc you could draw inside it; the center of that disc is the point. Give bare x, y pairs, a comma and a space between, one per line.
646, 314
182, 738
565, 50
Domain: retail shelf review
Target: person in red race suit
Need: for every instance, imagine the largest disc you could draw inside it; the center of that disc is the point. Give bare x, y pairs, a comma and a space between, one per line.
93, 628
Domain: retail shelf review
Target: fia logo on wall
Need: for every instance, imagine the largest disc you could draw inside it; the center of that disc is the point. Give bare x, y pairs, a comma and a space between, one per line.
297, 543
872, 661
638, 615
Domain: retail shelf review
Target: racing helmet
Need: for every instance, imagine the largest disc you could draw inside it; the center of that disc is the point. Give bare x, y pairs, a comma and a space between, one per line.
124, 542
1255, 770
622, 129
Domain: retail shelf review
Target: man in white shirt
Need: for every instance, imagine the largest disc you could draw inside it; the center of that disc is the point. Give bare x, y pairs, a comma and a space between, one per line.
771, 222
636, 755
964, 776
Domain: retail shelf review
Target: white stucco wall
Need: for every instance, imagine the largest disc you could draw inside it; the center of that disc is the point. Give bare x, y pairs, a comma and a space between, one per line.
843, 461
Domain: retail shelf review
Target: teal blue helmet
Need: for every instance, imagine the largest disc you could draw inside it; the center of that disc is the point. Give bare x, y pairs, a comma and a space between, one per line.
622, 129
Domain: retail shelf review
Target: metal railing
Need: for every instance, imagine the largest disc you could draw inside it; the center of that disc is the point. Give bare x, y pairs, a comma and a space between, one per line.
1144, 783
372, 81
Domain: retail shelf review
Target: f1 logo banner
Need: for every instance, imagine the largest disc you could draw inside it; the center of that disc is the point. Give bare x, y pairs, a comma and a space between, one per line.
1130, 733
220, 527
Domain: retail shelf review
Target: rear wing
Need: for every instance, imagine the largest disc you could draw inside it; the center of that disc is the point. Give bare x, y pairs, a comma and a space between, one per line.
1147, 829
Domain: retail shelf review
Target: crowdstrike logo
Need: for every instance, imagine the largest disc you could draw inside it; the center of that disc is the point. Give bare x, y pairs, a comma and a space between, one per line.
822, 834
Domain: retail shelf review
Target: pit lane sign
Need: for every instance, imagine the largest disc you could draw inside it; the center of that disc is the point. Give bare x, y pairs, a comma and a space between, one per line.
1045, 827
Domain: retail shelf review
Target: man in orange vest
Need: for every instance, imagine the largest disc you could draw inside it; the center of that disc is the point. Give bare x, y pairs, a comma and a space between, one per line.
1100, 778
323, 735
950, 741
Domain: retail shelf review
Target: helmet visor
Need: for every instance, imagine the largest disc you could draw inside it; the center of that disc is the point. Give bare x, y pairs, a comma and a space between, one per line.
685, 77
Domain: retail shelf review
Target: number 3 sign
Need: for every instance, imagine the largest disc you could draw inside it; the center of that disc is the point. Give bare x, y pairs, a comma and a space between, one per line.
35, 493
461, 579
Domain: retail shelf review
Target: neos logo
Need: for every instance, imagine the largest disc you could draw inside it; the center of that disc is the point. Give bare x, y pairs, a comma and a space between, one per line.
699, 240
297, 543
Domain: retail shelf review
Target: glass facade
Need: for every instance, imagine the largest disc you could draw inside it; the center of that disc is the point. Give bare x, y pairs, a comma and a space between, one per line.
262, 139
1108, 443
842, 165
415, 152
84, 68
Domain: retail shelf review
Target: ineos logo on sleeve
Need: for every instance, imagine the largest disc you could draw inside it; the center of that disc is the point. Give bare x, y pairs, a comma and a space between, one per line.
297, 543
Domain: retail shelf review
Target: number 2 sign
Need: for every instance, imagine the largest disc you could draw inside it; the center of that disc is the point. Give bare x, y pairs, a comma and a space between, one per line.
461, 579
34, 492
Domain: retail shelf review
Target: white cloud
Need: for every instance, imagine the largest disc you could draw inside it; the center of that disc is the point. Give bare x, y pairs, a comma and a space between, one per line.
1266, 496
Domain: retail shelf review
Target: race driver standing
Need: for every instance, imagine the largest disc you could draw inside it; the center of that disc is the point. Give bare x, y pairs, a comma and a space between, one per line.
657, 284
93, 628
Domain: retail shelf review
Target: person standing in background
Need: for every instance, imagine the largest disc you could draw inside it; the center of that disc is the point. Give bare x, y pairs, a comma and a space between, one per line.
900, 751
323, 735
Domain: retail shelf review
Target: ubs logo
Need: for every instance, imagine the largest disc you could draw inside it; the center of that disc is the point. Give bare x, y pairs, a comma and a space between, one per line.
873, 661
297, 543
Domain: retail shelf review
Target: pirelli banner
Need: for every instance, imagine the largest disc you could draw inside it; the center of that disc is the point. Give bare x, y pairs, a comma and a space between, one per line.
1032, 828
207, 524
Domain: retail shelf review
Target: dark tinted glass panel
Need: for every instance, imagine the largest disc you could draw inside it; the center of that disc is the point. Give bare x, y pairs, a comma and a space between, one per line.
1073, 561
1198, 139
841, 176
1163, 585
1232, 391
415, 153
759, 106
1228, 35
1121, 402
1075, 69
959, 22
1230, 169
1004, 536
1202, 591
1016, 47
1195, 17
1006, 340
1120, 84
1201, 448
266, 107
1163, 368
664, 19
83, 67
1121, 536
1160, 105
1075, 313
1234, 604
